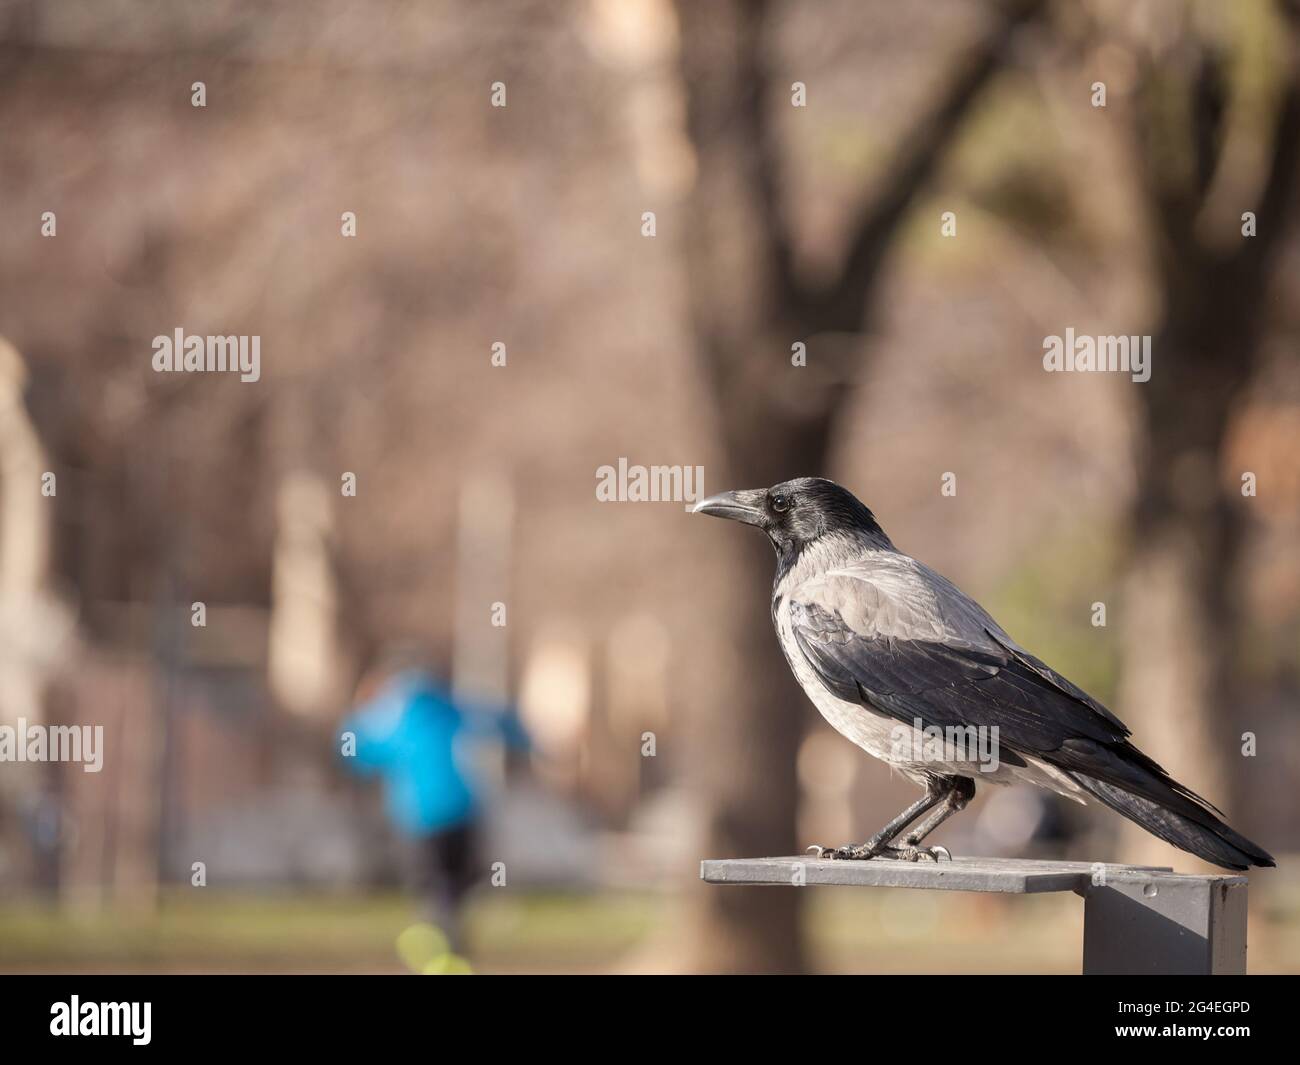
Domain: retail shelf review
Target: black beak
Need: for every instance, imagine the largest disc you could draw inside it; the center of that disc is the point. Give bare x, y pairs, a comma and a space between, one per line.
743, 506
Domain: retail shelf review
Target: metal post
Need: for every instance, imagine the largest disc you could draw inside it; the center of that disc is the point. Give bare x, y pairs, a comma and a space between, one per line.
1164, 923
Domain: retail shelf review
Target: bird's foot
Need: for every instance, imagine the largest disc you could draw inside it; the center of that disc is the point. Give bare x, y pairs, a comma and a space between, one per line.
865, 852
848, 853
912, 853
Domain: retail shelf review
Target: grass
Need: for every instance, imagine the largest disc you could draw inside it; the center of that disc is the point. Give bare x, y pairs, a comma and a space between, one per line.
274, 932
884, 931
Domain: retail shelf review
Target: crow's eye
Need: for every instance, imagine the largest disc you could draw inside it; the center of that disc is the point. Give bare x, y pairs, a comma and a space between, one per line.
780, 503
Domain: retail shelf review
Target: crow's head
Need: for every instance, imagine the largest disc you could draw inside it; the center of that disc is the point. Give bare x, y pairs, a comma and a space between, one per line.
796, 513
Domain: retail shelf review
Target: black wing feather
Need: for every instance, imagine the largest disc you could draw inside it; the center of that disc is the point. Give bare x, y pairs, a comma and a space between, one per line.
957, 684
947, 684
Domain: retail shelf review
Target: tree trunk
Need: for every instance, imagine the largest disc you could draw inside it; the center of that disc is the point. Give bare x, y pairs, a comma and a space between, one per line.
776, 421
1178, 685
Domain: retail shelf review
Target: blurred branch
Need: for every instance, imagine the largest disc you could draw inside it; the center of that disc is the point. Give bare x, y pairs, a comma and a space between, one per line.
841, 304
1277, 199
1179, 125
732, 125
752, 85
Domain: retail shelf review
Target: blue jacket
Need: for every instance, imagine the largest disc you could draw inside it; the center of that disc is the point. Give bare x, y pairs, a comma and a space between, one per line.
416, 738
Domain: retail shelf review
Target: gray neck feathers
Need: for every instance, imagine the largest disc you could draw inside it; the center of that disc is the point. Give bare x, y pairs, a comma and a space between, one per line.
829, 551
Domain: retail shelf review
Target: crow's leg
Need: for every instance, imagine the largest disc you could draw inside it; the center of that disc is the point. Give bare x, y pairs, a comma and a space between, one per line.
936, 791
961, 792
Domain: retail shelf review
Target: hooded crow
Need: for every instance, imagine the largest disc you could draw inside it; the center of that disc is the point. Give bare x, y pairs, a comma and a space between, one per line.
908, 667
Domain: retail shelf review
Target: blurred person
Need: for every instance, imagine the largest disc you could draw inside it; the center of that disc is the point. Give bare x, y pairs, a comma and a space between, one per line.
409, 730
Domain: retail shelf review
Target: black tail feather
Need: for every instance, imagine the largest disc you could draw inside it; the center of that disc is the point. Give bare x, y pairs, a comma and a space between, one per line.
1192, 828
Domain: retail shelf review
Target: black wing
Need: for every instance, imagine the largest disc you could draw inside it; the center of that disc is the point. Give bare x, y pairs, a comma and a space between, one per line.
975, 675
950, 683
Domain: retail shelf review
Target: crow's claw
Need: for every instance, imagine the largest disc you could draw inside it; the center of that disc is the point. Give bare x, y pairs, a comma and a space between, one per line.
847, 853
910, 853
863, 853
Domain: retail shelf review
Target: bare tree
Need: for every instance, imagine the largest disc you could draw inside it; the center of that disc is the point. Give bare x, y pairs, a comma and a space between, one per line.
1214, 277
749, 304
